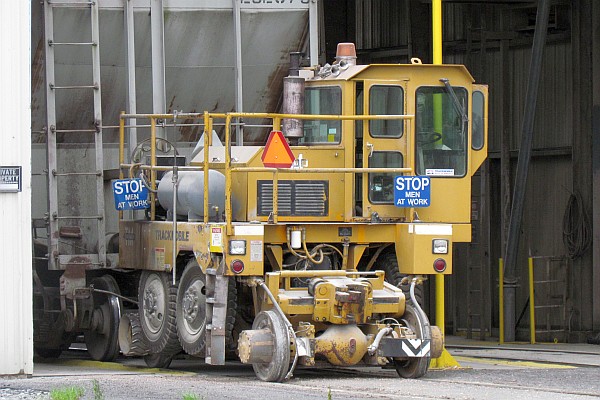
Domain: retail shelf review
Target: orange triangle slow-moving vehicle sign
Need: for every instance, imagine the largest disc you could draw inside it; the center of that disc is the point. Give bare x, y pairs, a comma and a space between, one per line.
277, 152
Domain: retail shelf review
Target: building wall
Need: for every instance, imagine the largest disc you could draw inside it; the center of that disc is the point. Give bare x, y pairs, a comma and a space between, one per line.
16, 329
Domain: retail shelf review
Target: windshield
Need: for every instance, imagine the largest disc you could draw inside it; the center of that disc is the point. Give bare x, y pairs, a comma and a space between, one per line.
441, 132
323, 100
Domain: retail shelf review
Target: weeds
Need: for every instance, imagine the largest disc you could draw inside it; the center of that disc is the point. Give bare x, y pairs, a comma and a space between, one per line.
98, 395
191, 396
69, 393
329, 397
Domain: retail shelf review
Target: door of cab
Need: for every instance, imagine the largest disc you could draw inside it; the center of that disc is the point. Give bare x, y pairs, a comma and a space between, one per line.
384, 145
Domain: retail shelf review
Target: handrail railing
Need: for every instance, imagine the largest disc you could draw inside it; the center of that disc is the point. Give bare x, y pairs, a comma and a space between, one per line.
208, 118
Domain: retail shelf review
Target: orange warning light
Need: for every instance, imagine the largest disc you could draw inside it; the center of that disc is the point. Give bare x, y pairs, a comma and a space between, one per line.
277, 153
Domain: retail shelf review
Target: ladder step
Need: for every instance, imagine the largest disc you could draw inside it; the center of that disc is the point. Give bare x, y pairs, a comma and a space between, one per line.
53, 87
209, 327
75, 130
71, 4
210, 300
97, 173
80, 217
51, 43
211, 271
551, 306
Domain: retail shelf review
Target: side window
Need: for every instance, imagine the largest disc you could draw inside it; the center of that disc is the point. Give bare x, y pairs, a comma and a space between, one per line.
325, 100
381, 185
478, 128
386, 100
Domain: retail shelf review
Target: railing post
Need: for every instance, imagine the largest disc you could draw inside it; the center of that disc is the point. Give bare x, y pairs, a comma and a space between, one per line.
531, 303
501, 298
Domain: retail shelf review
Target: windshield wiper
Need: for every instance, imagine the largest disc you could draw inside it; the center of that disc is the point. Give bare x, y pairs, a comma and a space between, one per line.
460, 109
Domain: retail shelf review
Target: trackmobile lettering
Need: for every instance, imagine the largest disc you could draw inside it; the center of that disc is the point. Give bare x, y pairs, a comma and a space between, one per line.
165, 234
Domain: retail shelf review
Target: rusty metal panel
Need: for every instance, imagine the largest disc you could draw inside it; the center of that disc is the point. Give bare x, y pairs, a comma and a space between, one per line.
199, 56
16, 329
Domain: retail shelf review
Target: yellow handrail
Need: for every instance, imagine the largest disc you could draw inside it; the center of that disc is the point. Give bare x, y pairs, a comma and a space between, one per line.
208, 119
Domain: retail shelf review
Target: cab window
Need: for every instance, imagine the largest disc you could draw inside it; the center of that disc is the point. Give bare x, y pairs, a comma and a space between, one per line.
441, 132
381, 185
326, 100
386, 100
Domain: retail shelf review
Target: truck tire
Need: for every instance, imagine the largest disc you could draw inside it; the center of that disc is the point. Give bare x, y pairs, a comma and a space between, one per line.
191, 310
157, 310
389, 264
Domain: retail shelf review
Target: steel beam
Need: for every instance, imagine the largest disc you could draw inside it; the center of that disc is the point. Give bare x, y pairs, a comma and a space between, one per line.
157, 27
238, 69
516, 214
595, 31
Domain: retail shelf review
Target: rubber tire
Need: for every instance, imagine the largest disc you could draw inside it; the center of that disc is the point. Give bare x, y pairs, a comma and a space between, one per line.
159, 328
192, 333
193, 340
276, 370
388, 263
104, 346
415, 367
158, 360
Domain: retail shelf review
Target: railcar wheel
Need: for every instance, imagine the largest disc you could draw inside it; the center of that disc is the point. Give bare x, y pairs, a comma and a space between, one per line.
277, 368
158, 360
389, 264
157, 309
418, 322
47, 353
102, 341
191, 309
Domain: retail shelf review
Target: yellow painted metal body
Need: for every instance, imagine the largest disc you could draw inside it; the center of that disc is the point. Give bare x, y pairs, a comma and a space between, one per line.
352, 224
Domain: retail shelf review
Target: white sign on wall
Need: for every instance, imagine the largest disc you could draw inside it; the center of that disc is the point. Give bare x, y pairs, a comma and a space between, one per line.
10, 179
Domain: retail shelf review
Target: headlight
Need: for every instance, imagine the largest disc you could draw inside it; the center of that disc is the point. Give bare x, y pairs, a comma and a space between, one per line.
440, 246
237, 247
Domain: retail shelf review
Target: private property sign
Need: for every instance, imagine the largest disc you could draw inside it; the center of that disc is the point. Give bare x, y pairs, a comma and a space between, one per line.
10, 179
412, 191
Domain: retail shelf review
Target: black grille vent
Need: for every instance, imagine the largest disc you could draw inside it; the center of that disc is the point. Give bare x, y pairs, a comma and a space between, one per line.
296, 198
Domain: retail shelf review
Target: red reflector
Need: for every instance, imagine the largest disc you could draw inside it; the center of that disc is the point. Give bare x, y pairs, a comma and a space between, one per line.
439, 265
237, 266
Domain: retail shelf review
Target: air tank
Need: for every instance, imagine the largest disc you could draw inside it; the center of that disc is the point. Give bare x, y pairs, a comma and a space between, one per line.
190, 193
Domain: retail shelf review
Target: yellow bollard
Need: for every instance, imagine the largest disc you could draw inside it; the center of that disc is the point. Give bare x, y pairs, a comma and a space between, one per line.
501, 297
531, 303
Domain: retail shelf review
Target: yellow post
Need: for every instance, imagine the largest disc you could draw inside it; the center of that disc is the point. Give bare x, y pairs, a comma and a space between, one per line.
531, 303
153, 164
501, 297
445, 360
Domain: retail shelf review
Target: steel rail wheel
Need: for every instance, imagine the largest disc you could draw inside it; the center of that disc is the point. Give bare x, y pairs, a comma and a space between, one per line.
157, 311
102, 340
277, 368
417, 321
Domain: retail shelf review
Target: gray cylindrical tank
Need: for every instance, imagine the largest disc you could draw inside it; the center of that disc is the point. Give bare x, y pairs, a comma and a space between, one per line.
190, 193
293, 103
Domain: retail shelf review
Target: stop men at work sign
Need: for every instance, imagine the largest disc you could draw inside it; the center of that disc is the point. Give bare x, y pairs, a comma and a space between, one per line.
412, 191
130, 194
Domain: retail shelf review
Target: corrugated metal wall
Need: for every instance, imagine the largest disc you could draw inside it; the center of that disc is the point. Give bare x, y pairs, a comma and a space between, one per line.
551, 176
16, 329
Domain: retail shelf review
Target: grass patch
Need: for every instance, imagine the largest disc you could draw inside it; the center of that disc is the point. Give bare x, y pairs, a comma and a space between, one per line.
191, 396
68, 393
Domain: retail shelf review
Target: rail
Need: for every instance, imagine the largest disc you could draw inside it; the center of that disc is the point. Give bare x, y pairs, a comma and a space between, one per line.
208, 122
